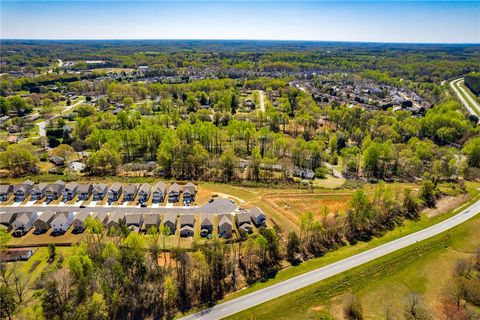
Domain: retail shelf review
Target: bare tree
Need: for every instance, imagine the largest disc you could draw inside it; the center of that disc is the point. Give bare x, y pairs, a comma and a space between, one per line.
414, 308
353, 308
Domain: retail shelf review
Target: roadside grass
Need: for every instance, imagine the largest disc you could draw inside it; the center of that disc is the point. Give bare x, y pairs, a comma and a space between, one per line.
469, 92
474, 108
408, 227
409, 269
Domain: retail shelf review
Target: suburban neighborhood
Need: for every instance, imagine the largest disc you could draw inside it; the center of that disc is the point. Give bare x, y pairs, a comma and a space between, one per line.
239, 160
29, 207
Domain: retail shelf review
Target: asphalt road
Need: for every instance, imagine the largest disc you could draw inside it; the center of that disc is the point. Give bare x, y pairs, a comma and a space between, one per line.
456, 88
217, 206
41, 125
255, 298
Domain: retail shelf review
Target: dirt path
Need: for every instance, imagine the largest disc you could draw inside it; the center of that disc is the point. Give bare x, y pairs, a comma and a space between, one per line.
224, 195
262, 100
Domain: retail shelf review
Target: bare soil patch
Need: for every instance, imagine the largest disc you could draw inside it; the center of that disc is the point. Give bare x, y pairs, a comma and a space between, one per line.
446, 204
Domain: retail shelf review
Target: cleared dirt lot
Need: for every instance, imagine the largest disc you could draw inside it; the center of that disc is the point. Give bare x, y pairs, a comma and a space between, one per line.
293, 205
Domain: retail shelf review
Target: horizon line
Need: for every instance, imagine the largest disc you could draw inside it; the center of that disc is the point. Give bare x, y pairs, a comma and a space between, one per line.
243, 39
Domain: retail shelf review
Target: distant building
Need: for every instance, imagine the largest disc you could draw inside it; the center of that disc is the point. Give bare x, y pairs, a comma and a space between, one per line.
70, 191
100, 191
159, 191
174, 193
170, 221
62, 222
84, 191
258, 217
78, 222
115, 191
23, 223
21, 191
38, 191
6, 191
225, 226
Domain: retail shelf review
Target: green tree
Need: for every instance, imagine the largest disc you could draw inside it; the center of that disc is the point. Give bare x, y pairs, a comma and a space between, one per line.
293, 248
228, 162
472, 150
8, 303
18, 160
428, 193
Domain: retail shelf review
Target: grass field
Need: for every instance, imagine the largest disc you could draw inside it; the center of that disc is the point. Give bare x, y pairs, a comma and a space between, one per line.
407, 228
424, 268
461, 84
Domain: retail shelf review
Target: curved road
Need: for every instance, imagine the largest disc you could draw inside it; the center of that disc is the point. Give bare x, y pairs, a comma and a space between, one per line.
455, 84
255, 298
41, 125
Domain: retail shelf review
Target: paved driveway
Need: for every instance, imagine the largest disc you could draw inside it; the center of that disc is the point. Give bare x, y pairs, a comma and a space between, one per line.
217, 206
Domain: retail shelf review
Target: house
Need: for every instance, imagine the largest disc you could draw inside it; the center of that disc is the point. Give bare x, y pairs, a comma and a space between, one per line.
100, 191
134, 221
62, 222
170, 221
78, 222
151, 220
7, 218
23, 223
206, 224
84, 191
158, 192
115, 191
56, 160
130, 192
174, 193
21, 191
186, 231
187, 220
76, 166
189, 192
6, 191
258, 217
12, 255
225, 226
44, 222
245, 228
54, 190
144, 192
70, 191
114, 220
304, 173
38, 191
101, 216
243, 219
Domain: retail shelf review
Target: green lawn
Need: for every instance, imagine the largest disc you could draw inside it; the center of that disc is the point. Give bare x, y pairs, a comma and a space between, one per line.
419, 268
466, 98
462, 84
407, 228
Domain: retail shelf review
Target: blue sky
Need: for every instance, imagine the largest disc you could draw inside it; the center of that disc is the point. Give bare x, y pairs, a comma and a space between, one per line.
376, 21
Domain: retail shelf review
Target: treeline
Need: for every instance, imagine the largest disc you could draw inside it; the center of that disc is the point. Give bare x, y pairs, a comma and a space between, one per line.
190, 142
421, 64
472, 81
366, 217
